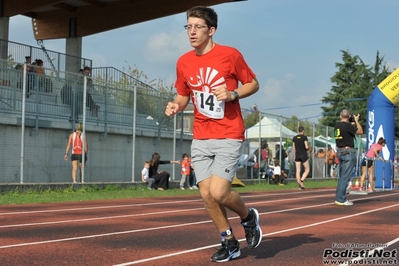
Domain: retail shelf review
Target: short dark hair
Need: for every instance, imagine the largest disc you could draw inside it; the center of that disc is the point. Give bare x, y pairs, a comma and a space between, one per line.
301, 129
206, 13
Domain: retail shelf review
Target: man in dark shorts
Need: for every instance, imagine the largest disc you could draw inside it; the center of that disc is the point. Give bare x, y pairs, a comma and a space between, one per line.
300, 147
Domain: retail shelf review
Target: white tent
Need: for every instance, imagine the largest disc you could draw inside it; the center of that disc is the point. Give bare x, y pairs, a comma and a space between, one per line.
269, 128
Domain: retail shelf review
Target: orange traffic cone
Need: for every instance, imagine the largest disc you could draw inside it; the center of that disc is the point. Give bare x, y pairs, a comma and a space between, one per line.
357, 185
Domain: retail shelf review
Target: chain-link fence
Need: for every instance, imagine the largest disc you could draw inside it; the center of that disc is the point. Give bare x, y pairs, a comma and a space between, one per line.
124, 122
277, 132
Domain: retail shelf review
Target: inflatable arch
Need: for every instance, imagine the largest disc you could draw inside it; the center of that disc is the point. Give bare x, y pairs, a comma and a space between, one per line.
381, 123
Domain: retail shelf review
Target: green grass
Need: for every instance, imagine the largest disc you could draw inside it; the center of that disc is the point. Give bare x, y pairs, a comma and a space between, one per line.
87, 193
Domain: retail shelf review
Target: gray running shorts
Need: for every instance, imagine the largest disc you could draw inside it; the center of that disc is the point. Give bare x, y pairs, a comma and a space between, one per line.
217, 157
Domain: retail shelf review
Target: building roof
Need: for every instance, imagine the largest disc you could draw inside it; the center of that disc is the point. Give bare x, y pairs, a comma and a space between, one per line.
52, 19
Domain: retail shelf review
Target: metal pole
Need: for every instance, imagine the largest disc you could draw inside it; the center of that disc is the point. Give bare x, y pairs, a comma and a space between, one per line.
84, 127
259, 142
383, 175
281, 140
174, 145
313, 133
134, 130
23, 125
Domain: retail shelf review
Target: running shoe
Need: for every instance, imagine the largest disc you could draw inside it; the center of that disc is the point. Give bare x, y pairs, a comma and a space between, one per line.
230, 250
253, 232
346, 203
301, 185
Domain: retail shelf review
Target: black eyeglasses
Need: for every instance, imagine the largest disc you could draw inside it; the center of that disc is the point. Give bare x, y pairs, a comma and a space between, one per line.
196, 27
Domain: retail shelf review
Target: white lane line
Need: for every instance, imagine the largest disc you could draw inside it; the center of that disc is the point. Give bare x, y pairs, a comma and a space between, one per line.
144, 214
153, 203
159, 228
269, 234
100, 207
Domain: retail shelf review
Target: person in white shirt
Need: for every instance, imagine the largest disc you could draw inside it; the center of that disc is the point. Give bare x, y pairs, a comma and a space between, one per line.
145, 176
278, 176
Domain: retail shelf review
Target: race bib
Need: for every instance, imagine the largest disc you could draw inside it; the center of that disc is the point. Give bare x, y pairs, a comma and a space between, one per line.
208, 105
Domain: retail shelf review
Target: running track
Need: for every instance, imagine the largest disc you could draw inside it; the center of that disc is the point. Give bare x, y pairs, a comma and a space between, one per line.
297, 227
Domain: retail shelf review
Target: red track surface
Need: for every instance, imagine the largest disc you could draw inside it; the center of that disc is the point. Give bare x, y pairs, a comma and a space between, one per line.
297, 227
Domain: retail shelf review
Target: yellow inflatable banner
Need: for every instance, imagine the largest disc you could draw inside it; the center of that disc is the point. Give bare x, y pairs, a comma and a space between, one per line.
390, 87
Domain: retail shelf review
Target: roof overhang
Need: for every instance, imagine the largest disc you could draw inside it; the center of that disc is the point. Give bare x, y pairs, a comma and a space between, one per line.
52, 19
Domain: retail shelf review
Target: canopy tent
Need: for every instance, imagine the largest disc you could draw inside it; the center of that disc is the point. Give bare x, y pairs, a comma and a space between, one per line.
270, 127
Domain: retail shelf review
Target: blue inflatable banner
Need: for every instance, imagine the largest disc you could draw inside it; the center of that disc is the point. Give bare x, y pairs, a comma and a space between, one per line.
381, 123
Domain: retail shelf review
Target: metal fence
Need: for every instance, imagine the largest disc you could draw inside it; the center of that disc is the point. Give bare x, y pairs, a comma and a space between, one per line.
15, 53
277, 130
125, 122
40, 111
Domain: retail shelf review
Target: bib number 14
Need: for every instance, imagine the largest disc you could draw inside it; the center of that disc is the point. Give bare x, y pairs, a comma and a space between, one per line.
208, 105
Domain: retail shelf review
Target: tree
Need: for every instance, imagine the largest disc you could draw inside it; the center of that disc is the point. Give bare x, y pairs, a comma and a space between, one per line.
251, 119
354, 82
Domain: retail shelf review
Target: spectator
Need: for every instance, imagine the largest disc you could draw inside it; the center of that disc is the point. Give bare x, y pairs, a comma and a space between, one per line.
278, 175
161, 177
185, 171
76, 140
145, 175
30, 76
193, 178
264, 163
330, 160
281, 154
368, 162
90, 103
300, 148
345, 133
19, 75
252, 166
291, 163
72, 94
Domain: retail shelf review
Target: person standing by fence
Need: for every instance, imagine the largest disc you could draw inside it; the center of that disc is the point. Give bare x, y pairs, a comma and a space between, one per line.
75, 141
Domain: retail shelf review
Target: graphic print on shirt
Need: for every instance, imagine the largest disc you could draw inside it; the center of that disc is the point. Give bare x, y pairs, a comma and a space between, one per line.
206, 82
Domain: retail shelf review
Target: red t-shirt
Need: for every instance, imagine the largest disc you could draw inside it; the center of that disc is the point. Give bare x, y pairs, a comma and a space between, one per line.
198, 76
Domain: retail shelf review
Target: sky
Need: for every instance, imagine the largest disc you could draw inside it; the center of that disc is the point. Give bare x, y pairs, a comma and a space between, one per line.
291, 45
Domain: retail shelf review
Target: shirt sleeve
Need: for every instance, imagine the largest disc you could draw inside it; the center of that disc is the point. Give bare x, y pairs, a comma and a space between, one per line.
181, 83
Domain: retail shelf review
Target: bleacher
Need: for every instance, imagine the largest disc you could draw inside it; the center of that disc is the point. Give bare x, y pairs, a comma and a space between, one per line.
44, 100
41, 102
